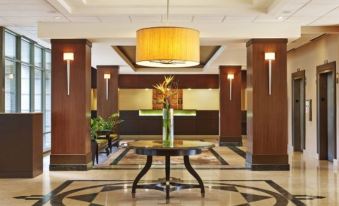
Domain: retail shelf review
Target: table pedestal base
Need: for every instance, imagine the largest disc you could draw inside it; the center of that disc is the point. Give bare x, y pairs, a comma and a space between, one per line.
168, 184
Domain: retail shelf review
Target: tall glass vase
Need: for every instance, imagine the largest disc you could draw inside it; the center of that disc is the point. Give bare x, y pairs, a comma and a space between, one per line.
167, 127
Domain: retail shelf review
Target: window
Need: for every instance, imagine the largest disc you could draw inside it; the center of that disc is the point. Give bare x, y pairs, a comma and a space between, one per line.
10, 45
27, 79
25, 51
25, 88
10, 86
48, 108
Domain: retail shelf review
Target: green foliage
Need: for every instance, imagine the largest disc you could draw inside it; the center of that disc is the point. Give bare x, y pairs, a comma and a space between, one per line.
101, 124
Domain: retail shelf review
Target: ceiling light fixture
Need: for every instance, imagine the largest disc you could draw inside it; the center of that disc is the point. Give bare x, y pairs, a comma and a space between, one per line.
168, 46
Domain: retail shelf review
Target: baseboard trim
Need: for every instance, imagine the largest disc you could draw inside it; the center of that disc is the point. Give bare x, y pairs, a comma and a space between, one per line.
268, 167
225, 144
70, 167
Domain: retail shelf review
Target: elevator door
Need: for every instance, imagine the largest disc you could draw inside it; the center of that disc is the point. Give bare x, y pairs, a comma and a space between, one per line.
326, 115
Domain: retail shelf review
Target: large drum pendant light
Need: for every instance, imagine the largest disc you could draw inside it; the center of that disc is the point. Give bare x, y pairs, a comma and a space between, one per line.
168, 46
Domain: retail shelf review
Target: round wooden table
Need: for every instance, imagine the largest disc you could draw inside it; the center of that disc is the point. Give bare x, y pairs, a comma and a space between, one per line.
183, 148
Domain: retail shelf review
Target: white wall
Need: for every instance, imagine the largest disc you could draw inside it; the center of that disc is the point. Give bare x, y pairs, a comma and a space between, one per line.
308, 58
135, 99
201, 99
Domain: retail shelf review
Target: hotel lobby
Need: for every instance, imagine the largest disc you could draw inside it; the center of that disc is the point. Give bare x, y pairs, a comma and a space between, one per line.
168, 102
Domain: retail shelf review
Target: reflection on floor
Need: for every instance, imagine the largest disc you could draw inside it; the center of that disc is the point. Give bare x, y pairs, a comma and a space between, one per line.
309, 182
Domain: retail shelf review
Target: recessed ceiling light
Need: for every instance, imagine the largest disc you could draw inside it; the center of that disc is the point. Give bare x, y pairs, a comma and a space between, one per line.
57, 17
280, 18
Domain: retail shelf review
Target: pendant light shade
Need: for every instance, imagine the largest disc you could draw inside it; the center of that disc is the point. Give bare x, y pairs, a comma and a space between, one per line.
168, 47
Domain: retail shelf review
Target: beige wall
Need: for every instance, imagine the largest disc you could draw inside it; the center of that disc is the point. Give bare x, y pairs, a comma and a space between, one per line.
135, 99
307, 58
201, 99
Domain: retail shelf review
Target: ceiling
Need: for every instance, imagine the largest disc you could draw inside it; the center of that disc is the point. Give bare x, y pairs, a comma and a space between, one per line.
109, 23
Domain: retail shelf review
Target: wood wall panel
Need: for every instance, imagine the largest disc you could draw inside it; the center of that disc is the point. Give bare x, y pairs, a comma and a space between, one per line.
267, 114
21, 145
204, 81
204, 123
230, 110
105, 108
71, 114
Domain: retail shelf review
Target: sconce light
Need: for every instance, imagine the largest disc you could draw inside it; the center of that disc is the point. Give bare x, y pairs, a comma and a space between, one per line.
230, 77
107, 77
269, 56
68, 56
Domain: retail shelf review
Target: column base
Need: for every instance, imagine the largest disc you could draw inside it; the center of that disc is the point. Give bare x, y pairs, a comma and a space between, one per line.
70, 162
70, 167
230, 141
267, 162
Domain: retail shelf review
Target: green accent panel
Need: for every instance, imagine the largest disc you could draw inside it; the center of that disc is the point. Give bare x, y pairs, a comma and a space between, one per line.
151, 112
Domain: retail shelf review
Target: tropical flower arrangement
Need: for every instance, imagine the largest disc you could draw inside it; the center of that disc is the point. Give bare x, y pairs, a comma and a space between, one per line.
166, 91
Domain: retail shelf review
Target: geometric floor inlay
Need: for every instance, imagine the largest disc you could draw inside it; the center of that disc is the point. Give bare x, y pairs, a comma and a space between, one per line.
218, 192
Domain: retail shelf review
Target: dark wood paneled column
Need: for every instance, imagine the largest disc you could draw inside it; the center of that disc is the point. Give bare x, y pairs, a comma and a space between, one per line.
230, 109
267, 114
106, 107
71, 113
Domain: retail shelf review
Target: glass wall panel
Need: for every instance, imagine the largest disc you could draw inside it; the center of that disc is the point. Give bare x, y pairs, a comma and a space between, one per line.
25, 51
10, 45
48, 108
37, 90
10, 86
25, 88
37, 56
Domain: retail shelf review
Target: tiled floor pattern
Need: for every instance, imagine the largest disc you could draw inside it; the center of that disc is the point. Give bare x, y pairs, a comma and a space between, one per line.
221, 192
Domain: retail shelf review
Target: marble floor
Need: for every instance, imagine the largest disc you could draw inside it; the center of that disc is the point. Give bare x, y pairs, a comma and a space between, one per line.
309, 182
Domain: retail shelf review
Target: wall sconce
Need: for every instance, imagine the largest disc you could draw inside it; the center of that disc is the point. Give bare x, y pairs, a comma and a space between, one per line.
107, 77
68, 56
230, 77
269, 56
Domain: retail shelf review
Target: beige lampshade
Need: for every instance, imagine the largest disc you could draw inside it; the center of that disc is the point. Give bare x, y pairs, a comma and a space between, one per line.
168, 47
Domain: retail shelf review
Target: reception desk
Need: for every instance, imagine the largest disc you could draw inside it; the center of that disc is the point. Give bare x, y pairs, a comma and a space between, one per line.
186, 122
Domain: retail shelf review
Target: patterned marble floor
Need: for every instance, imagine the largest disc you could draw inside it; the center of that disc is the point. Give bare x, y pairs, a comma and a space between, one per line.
309, 182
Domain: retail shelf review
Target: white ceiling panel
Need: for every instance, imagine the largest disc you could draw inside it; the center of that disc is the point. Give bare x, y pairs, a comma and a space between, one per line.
302, 20
33, 20
314, 9
122, 19
267, 19
239, 19
146, 18
207, 19
177, 18
84, 19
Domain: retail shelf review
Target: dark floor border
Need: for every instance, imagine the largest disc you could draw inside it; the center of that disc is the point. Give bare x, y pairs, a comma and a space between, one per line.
219, 158
122, 155
240, 152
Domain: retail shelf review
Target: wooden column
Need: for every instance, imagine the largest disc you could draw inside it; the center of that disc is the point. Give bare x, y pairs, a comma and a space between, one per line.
107, 106
267, 114
230, 106
71, 113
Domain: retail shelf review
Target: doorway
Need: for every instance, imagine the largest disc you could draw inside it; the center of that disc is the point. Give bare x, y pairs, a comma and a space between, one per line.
326, 111
298, 111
